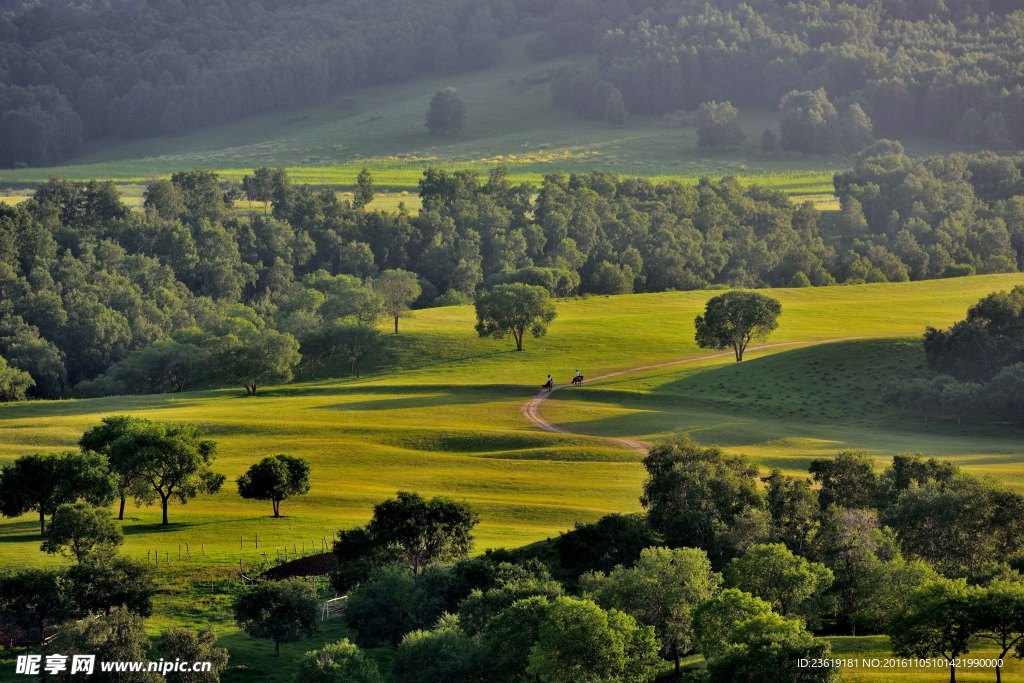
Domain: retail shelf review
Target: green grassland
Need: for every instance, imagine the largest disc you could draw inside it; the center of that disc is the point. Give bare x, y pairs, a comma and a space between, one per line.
510, 120
447, 420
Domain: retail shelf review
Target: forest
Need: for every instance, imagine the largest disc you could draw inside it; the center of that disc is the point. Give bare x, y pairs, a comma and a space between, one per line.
268, 269
71, 74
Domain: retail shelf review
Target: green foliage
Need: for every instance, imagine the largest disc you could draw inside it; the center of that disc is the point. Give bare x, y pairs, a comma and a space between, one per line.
768, 648
281, 611
791, 584
397, 289
45, 482
423, 532
275, 478
14, 383
102, 583
848, 479
661, 590
442, 655
381, 608
259, 358
717, 125
446, 114
117, 636
715, 621
509, 635
476, 610
580, 642
365, 192
702, 498
340, 662
605, 544
162, 461
936, 621
193, 646
80, 530
734, 319
514, 309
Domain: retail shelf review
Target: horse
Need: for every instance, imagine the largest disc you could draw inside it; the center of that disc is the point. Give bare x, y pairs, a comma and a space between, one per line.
577, 380
549, 385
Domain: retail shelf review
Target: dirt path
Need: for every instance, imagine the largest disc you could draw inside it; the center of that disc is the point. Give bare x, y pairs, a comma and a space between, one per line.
531, 410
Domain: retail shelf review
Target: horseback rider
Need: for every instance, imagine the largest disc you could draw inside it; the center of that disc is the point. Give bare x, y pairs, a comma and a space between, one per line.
550, 383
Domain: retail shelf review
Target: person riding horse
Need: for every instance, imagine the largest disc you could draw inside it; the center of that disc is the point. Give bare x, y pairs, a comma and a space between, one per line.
578, 379
550, 384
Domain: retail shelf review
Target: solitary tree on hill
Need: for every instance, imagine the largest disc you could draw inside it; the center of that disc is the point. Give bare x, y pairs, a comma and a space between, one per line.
275, 478
734, 319
514, 309
447, 113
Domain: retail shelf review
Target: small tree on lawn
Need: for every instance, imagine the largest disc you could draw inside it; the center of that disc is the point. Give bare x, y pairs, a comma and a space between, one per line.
281, 611
172, 460
43, 482
734, 319
275, 478
937, 620
80, 530
514, 309
446, 114
397, 289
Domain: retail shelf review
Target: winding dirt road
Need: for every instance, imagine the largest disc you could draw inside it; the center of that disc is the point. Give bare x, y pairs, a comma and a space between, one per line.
531, 410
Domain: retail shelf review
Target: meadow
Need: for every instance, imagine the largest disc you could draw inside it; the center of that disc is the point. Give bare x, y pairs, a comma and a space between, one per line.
446, 418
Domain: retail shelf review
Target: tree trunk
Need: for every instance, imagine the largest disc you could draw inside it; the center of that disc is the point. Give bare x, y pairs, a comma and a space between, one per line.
675, 655
952, 672
276, 508
42, 522
739, 352
396, 324
120, 512
519, 339
277, 648
163, 505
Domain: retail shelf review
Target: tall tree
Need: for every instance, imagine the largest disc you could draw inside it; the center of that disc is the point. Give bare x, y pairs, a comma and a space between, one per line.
734, 319
999, 617
172, 461
364, 188
514, 309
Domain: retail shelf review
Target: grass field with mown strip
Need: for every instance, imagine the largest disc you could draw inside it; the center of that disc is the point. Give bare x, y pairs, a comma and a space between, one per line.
446, 420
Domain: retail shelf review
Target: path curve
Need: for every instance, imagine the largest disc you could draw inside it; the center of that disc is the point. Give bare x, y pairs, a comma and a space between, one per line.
531, 410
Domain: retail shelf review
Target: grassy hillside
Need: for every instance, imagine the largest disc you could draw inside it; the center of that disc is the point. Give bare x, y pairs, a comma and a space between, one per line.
448, 421
510, 119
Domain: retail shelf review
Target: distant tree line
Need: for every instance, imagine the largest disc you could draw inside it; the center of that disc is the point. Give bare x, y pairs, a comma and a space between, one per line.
836, 70
214, 284
72, 74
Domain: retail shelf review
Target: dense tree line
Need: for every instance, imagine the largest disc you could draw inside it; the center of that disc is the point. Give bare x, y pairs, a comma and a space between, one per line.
979, 363
940, 68
76, 72
739, 567
214, 284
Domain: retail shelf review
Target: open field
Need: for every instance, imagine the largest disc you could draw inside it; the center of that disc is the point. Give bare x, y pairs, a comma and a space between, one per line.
448, 421
510, 120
